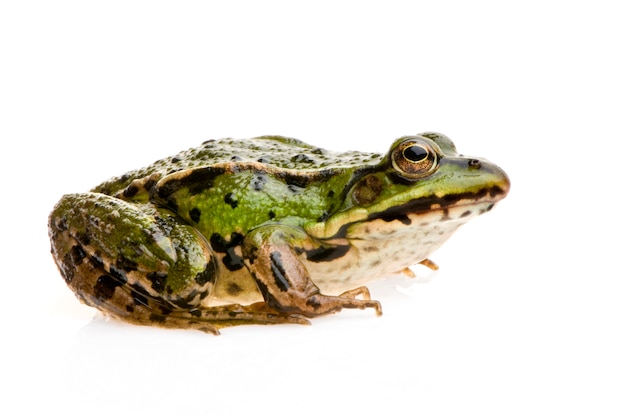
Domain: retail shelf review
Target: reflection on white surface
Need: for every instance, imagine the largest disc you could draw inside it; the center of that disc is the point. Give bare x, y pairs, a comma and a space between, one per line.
335, 359
490, 342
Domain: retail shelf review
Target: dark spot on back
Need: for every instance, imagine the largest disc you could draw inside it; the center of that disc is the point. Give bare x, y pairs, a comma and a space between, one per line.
194, 214
149, 185
302, 158
198, 180
130, 191
230, 199
302, 180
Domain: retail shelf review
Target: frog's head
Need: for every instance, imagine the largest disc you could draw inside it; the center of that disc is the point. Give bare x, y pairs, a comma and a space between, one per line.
422, 179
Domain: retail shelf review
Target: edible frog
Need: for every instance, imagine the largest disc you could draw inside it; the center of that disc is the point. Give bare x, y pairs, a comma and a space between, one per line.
265, 230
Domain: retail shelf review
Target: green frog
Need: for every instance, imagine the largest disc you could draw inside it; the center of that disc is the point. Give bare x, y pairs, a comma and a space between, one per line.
265, 230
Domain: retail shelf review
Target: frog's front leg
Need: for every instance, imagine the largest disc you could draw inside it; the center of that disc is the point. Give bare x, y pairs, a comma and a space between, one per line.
271, 256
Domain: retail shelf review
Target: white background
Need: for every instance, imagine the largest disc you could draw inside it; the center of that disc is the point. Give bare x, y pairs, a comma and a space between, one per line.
527, 313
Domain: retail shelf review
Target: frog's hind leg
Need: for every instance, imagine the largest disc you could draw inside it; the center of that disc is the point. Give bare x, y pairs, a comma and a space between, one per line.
129, 260
210, 319
142, 309
143, 265
114, 296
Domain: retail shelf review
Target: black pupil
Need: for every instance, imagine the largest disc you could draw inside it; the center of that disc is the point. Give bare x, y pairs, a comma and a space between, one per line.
415, 153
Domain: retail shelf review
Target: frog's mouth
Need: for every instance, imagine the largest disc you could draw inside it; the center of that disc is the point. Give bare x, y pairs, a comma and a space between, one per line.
485, 198
458, 208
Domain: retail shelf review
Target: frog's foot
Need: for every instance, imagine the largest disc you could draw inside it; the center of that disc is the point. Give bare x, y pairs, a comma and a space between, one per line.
324, 304
364, 294
408, 272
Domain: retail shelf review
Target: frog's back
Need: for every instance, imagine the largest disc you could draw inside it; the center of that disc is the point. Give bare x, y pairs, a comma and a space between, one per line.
275, 151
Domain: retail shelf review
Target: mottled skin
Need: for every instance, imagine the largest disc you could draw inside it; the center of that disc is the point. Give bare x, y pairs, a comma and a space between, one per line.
266, 230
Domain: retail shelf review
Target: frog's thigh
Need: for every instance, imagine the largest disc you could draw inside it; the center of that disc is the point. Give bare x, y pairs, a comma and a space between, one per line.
284, 280
136, 263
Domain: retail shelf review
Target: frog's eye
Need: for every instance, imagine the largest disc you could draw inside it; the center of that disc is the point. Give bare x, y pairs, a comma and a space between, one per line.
414, 159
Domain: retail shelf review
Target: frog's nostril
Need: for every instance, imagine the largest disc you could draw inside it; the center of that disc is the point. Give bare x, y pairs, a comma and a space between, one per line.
474, 163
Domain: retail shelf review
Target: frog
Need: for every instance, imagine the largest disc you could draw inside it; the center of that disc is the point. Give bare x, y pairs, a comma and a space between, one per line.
268, 230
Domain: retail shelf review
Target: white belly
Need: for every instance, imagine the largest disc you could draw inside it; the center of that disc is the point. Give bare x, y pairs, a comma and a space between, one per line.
379, 248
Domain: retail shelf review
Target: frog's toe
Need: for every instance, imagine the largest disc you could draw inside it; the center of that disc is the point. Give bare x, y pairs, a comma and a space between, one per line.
429, 264
366, 299
362, 292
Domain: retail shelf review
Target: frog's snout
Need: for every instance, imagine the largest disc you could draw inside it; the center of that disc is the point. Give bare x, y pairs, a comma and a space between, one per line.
502, 183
